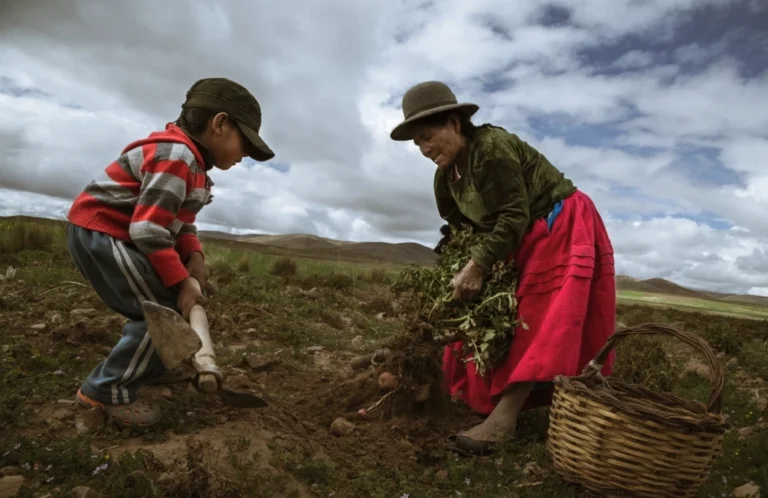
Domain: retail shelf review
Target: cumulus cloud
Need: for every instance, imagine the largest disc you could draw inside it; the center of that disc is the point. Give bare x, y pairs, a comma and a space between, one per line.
658, 119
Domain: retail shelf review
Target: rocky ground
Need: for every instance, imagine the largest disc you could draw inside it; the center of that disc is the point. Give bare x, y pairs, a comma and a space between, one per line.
291, 338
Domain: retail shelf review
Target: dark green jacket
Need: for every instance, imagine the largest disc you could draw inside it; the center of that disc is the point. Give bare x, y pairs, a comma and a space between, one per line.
505, 188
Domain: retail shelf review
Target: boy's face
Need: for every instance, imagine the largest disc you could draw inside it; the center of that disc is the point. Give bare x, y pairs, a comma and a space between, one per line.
226, 142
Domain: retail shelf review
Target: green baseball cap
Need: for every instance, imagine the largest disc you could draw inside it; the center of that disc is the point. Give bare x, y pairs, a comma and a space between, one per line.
224, 95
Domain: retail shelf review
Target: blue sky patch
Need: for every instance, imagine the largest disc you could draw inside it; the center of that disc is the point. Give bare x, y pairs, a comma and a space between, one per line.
701, 37
563, 125
553, 16
281, 167
10, 87
702, 166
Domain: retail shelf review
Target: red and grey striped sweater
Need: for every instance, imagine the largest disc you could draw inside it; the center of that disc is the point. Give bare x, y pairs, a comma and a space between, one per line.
150, 196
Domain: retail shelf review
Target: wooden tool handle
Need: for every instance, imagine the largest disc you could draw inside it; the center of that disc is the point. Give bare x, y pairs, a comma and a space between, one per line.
196, 283
208, 382
209, 376
199, 322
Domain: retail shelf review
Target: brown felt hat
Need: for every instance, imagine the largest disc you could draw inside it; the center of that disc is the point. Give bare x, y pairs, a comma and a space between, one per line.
426, 99
224, 95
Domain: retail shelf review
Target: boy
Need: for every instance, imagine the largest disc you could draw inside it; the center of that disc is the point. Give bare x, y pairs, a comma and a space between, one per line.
132, 233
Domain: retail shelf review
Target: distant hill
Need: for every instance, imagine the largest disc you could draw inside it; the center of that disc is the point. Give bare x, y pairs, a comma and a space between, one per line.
313, 246
662, 286
736, 298
321, 248
658, 286
305, 246
621, 279
294, 241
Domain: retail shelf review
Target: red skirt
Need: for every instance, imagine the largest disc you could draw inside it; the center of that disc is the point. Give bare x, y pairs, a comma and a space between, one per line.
566, 296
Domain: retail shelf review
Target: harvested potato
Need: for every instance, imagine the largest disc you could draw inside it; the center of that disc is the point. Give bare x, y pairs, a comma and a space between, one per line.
387, 381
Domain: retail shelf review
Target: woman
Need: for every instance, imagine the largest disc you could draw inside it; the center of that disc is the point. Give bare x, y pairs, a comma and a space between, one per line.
532, 215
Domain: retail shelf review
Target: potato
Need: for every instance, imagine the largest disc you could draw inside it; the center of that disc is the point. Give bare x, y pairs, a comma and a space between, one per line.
387, 381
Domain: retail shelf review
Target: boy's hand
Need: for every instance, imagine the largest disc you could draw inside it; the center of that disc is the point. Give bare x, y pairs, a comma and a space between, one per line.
196, 268
190, 294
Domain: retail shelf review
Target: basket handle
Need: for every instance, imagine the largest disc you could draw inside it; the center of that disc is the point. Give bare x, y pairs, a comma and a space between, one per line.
714, 405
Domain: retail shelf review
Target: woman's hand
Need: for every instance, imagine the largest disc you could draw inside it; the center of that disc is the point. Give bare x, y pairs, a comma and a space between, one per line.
468, 283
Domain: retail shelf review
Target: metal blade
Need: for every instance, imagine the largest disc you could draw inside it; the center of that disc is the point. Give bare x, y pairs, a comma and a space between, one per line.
173, 338
240, 399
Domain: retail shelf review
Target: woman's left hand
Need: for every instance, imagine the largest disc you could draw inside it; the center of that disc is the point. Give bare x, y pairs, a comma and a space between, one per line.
468, 282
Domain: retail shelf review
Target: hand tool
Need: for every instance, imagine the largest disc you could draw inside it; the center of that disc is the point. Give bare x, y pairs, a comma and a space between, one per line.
177, 341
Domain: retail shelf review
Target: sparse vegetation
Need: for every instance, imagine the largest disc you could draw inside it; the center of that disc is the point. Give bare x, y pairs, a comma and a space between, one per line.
287, 449
18, 235
380, 276
723, 337
284, 267
332, 280
643, 360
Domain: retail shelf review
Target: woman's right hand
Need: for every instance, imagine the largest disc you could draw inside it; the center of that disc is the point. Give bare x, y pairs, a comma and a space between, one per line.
468, 283
190, 294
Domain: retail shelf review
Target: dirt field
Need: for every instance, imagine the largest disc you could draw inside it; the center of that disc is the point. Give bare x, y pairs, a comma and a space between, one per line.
303, 329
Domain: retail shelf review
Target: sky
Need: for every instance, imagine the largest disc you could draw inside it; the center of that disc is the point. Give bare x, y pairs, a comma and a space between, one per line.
654, 108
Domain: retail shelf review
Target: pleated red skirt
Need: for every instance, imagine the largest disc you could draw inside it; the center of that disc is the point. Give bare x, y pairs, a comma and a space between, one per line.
566, 296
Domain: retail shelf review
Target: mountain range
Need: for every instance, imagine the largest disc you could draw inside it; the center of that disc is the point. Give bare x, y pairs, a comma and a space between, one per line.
402, 254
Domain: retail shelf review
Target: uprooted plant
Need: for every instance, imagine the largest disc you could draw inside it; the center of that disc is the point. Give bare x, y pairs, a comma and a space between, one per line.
485, 325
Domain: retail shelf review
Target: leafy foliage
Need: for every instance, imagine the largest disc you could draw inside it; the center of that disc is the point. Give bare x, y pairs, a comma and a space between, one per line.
486, 324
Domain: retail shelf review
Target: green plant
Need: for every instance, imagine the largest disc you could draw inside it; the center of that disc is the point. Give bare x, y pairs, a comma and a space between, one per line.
642, 360
486, 325
722, 336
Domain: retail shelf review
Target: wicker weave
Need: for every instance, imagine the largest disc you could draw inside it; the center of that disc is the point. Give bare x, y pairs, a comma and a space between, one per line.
621, 439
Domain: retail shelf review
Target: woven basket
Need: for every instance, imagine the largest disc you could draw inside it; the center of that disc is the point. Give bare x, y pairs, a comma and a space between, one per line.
622, 439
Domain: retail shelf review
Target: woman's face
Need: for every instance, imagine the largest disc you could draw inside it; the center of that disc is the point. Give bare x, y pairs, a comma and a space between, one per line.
440, 143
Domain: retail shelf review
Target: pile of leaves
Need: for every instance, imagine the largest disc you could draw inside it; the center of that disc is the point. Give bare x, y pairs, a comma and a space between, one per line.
486, 324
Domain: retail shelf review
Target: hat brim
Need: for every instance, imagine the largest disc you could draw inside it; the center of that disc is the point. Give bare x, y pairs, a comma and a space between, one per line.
404, 131
258, 150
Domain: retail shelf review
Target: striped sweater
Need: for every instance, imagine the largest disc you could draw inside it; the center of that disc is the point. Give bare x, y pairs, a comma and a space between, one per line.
150, 196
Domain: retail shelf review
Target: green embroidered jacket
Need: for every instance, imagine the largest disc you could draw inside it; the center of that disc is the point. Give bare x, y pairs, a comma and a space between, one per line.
506, 186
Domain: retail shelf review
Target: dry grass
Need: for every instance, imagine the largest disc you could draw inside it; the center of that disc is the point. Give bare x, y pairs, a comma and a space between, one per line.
381, 276
284, 267
643, 360
19, 235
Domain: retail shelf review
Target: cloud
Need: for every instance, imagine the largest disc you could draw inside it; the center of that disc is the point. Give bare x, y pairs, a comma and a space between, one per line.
689, 252
652, 112
634, 59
